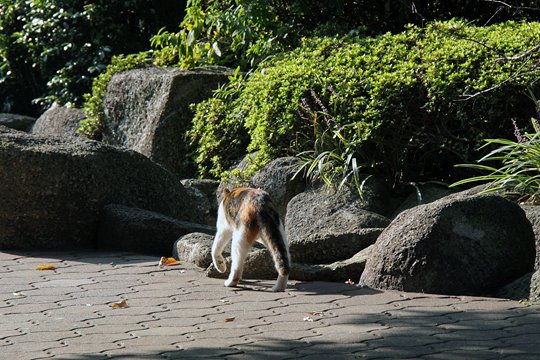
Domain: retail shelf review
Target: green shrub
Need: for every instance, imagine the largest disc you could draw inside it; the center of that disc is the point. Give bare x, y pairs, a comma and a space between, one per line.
244, 32
402, 98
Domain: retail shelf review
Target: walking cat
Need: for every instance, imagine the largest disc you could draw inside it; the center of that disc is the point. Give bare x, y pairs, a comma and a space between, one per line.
246, 215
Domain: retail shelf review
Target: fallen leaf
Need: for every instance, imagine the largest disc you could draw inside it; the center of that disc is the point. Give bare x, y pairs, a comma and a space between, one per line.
168, 261
120, 304
307, 318
350, 282
229, 319
224, 301
45, 267
315, 313
19, 294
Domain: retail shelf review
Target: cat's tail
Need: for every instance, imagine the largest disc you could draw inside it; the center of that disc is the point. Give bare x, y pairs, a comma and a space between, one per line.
273, 235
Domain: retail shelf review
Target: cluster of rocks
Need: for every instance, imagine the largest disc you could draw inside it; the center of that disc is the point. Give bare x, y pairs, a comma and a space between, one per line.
133, 191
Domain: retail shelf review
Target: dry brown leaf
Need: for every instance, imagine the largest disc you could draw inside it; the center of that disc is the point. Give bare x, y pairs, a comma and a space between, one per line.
315, 313
229, 319
45, 267
168, 261
120, 304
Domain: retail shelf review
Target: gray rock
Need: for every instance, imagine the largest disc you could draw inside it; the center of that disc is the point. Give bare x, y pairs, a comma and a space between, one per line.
349, 269
324, 227
276, 178
377, 196
59, 121
333, 245
519, 289
423, 194
258, 265
142, 231
203, 193
534, 294
456, 245
533, 214
53, 189
17, 122
195, 248
148, 110
526, 288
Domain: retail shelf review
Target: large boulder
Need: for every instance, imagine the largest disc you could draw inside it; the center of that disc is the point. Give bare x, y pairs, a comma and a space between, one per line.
343, 270
53, 189
456, 245
258, 265
195, 248
277, 179
203, 191
533, 214
324, 226
148, 110
59, 121
142, 231
534, 293
17, 122
423, 194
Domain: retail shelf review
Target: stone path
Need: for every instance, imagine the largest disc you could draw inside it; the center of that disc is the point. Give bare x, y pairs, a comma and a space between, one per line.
178, 313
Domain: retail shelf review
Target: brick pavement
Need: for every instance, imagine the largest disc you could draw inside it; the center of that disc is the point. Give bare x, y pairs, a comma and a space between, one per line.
178, 313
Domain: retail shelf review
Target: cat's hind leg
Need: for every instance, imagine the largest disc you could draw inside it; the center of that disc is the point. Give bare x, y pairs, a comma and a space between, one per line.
239, 250
223, 236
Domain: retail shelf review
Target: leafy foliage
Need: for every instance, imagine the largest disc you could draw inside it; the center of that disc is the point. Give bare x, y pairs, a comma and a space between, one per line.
334, 158
519, 170
223, 32
51, 49
398, 100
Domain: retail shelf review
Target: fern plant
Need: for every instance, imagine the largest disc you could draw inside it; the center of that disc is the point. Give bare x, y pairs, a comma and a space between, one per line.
519, 170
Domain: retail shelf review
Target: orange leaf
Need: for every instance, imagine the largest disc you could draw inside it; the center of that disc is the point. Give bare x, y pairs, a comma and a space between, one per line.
120, 304
45, 267
229, 319
168, 261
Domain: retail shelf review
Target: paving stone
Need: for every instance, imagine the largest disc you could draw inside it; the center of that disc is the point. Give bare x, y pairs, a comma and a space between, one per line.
178, 313
17, 354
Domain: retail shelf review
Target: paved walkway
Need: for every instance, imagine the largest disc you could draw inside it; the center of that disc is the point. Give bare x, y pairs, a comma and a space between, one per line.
178, 313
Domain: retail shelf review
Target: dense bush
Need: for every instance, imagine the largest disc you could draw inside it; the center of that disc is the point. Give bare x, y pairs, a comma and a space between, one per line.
244, 32
412, 104
50, 50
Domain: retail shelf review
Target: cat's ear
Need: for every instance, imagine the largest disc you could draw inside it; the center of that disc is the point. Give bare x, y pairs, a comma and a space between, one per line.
226, 192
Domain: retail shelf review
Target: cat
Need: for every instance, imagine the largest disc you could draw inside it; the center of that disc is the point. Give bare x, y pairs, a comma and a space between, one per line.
246, 215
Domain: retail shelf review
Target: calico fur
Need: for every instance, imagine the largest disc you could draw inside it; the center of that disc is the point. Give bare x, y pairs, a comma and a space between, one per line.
246, 215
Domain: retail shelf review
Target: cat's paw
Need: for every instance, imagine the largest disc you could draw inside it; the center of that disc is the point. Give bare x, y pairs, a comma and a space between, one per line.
281, 283
230, 283
220, 264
